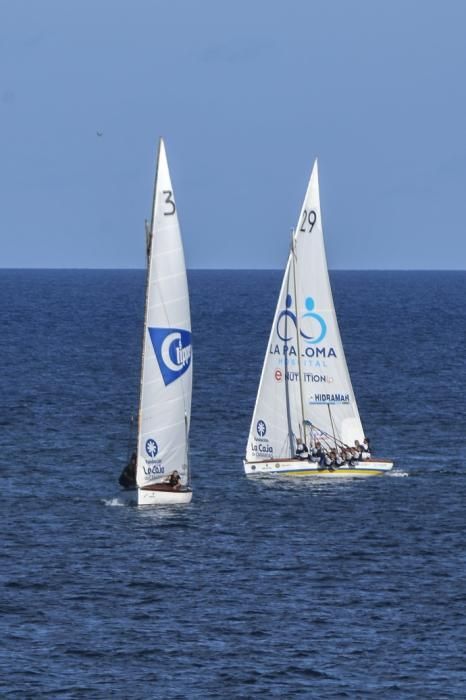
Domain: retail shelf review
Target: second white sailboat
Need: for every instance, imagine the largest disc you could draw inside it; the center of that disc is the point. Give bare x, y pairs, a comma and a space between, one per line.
305, 403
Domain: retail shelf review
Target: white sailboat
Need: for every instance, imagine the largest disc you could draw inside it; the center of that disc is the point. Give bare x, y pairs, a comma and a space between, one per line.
161, 462
305, 390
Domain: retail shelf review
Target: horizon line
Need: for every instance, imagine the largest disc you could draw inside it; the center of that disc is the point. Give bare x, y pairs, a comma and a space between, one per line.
237, 269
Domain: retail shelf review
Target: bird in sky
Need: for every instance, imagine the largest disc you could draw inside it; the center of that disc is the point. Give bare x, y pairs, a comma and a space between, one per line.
99, 133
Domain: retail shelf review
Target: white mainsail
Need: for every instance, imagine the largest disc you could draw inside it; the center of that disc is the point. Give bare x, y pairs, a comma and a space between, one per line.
166, 377
305, 388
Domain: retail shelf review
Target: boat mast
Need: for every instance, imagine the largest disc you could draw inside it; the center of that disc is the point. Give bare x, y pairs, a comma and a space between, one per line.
287, 388
149, 228
298, 333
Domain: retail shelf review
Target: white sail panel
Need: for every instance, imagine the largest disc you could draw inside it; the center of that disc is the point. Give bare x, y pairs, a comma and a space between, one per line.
305, 389
276, 417
166, 377
328, 397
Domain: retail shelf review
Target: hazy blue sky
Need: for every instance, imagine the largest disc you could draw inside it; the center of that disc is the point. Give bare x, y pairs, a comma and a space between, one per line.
246, 95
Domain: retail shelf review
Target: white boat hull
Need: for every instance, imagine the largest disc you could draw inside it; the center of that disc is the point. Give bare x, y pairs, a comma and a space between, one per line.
297, 468
150, 497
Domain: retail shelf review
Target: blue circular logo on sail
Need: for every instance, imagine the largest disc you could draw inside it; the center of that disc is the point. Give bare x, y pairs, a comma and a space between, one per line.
261, 428
317, 323
313, 327
151, 448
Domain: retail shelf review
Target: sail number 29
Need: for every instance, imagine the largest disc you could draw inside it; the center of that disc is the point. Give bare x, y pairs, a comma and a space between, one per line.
308, 221
169, 200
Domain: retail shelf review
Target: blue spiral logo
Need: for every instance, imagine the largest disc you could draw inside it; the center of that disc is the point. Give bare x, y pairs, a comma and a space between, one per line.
261, 428
151, 448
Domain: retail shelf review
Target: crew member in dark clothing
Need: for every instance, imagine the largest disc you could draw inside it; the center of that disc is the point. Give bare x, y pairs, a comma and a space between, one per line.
174, 480
366, 449
128, 475
301, 449
316, 452
326, 461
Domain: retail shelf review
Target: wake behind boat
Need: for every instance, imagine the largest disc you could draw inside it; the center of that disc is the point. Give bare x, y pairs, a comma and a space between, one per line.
158, 472
306, 420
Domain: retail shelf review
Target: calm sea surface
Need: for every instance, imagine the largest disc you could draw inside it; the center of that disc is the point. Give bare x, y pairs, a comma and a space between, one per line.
258, 589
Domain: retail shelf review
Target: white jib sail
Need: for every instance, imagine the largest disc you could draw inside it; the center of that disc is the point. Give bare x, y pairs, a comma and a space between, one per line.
166, 377
305, 388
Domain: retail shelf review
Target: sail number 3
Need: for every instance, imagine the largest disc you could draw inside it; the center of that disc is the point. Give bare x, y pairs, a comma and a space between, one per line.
170, 202
308, 221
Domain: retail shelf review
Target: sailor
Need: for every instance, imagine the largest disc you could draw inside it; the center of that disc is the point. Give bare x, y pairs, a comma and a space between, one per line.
316, 452
327, 461
366, 449
358, 448
339, 458
355, 455
174, 480
301, 449
128, 475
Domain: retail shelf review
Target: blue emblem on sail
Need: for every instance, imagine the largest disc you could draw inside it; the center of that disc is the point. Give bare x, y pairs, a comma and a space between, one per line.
317, 326
261, 428
151, 448
172, 347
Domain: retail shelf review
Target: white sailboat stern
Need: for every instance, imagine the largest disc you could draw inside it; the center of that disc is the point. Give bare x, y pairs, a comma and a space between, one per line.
148, 497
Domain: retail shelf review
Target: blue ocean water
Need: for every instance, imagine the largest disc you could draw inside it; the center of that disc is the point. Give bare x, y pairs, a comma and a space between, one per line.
258, 589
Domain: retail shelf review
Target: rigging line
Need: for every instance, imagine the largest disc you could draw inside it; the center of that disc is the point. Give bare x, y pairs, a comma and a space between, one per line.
337, 433
186, 442
294, 257
333, 428
287, 388
327, 443
323, 432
